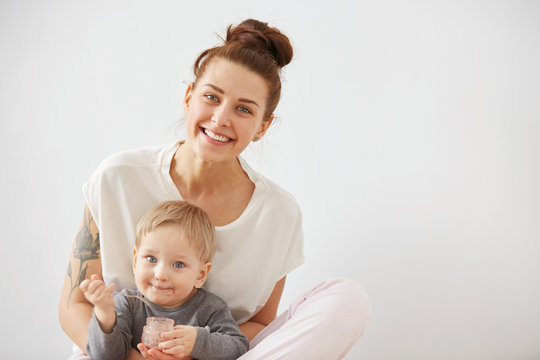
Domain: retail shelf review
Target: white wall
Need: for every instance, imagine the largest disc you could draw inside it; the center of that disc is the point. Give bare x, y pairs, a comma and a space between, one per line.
409, 134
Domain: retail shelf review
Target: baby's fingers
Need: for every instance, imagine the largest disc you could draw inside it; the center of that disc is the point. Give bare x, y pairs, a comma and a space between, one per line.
91, 284
108, 290
144, 350
179, 332
156, 354
169, 344
84, 285
177, 351
95, 287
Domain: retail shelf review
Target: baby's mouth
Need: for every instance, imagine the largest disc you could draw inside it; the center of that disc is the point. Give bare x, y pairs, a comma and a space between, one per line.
161, 288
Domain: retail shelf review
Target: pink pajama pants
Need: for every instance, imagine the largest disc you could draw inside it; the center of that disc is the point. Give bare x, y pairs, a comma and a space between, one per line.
321, 324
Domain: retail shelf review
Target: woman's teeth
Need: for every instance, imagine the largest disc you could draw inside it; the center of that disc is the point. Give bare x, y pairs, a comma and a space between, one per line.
215, 136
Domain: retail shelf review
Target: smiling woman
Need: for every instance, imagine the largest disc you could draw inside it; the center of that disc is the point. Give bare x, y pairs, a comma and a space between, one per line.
225, 115
258, 224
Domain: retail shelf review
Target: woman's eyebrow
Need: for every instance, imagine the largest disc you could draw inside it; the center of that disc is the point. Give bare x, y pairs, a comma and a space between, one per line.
248, 101
221, 91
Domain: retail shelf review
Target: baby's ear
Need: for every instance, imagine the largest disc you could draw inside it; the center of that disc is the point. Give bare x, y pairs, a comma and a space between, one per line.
203, 274
134, 257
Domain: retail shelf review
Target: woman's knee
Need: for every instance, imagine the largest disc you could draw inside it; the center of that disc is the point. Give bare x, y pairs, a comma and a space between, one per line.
352, 309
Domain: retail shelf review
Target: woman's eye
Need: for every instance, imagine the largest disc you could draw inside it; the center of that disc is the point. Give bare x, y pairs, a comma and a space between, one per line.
244, 110
211, 97
178, 265
151, 259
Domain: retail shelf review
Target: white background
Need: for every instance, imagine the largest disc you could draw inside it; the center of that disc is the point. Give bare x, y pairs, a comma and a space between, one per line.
409, 133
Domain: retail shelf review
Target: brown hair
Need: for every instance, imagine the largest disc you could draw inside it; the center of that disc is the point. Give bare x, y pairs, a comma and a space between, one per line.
194, 225
260, 48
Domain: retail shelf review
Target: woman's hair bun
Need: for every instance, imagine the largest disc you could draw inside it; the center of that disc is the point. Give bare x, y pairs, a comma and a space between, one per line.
259, 36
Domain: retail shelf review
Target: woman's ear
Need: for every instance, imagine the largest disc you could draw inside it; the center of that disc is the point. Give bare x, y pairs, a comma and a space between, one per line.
187, 98
203, 274
263, 127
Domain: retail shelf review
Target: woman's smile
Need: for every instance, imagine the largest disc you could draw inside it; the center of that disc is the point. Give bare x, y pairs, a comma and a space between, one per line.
215, 136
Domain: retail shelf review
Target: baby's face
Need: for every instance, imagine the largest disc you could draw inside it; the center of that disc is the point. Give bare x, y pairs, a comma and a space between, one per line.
167, 268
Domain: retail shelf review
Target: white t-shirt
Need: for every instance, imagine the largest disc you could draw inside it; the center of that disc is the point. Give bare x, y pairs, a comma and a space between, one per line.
253, 252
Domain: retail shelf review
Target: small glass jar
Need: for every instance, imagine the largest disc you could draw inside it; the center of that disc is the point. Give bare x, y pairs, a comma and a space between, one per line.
153, 329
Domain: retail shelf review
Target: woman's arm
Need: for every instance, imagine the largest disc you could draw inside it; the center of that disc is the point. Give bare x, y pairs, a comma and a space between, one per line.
74, 310
266, 315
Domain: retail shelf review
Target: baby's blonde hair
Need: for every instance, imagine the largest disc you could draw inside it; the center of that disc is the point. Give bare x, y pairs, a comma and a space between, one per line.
194, 225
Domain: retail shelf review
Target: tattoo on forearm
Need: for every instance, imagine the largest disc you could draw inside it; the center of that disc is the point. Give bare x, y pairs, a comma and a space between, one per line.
86, 248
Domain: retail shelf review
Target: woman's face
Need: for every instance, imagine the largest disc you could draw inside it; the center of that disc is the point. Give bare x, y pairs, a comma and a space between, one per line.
224, 112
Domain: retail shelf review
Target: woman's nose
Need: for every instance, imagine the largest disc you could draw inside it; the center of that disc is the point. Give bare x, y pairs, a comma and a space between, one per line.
221, 117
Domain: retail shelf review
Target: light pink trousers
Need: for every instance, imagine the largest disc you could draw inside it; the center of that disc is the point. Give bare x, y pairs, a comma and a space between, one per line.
323, 323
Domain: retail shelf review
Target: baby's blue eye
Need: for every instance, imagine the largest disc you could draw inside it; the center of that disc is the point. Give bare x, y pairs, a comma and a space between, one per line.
151, 259
178, 265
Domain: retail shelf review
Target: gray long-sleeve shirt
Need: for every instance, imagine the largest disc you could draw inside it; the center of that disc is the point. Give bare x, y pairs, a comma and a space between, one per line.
218, 336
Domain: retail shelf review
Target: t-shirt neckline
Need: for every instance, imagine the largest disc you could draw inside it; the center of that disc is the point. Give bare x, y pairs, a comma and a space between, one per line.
173, 193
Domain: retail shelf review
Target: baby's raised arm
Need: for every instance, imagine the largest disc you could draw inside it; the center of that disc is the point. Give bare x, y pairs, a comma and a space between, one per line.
99, 295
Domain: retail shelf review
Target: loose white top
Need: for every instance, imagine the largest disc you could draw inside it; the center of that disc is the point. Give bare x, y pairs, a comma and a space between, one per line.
253, 252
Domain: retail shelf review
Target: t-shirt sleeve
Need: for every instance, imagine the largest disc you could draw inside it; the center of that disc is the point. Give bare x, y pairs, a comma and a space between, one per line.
294, 255
115, 345
100, 191
93, 190
218, 337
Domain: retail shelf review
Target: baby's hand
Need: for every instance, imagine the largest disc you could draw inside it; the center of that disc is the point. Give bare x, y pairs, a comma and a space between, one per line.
179, 342
98, 293
155, 354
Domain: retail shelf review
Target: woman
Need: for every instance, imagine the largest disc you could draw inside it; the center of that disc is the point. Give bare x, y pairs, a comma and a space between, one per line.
258, 224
